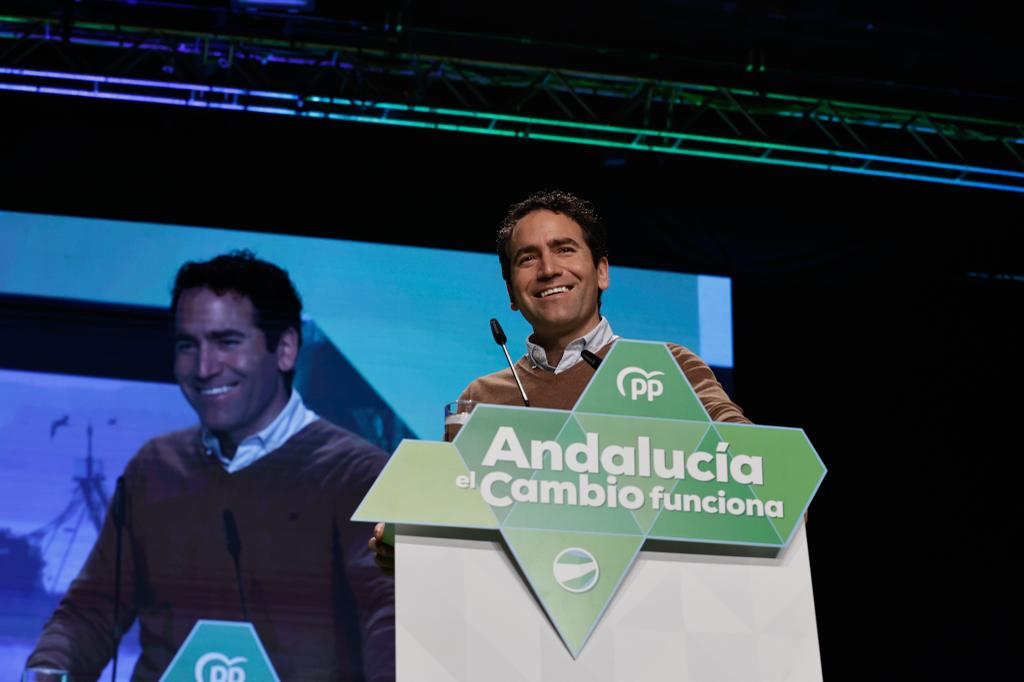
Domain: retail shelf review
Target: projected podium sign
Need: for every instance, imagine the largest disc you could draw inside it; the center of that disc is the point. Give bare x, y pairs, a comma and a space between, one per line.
576, 494
221, 651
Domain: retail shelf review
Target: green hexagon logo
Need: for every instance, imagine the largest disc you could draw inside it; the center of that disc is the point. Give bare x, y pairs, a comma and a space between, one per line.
576, 494
221, 651
641, 379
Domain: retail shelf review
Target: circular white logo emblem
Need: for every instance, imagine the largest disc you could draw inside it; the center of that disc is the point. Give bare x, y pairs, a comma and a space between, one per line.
575, 569
216, 667
642, 385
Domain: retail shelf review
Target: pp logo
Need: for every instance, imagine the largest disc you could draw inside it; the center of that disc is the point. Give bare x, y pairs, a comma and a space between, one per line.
643, 384
216, 667
575, 569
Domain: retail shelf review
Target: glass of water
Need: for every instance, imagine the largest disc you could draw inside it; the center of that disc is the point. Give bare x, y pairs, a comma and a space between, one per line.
456, 413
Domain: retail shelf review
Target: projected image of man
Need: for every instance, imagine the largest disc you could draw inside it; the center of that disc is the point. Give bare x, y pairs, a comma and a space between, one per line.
260, 461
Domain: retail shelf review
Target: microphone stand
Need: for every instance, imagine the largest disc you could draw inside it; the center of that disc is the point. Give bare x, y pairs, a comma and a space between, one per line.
117, 510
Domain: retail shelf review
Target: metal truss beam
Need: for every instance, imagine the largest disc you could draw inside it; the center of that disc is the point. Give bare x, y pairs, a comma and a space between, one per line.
384, 86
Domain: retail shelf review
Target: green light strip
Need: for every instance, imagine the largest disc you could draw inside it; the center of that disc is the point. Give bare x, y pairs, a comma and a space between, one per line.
613, 144
665, 150
597, 127
784, 162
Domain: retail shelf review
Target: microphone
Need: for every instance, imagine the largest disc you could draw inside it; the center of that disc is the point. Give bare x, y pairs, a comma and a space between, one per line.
234, 547
499, 338
592, 359
118, 513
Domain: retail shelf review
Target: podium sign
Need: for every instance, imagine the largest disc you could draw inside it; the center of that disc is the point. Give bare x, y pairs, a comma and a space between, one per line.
575, 495
221, 651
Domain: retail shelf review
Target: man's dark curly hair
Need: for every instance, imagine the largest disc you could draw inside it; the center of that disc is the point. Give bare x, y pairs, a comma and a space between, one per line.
276, 302
557, 201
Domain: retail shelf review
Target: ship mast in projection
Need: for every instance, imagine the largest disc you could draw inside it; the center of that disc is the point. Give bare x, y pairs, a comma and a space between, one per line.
88, 499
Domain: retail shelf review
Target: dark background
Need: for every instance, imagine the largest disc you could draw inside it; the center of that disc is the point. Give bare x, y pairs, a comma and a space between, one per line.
880, 315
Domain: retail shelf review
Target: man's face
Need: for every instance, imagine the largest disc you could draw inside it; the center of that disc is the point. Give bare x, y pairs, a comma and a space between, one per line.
222, 364
553, 280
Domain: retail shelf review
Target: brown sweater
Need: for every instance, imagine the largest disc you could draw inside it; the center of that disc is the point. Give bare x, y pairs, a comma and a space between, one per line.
318, 602
560, 391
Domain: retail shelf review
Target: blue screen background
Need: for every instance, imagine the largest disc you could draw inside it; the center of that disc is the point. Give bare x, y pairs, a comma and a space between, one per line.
411, 321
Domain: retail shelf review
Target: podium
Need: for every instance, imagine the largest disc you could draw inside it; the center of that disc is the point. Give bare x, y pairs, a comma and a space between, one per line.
465, 613
631, 538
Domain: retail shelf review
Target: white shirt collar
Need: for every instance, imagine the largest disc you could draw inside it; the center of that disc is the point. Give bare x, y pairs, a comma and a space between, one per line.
293, 418
594, 340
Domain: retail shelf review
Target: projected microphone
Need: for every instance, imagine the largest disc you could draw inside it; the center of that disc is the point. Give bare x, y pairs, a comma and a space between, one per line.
118, 508
234, 546
591, 358
499, 338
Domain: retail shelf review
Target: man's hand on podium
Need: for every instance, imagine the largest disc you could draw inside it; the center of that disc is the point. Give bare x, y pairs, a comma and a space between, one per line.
383, 553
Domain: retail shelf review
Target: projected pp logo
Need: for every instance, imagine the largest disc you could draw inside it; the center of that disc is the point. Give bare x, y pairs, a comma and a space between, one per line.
641, 383
575, 569
216, 667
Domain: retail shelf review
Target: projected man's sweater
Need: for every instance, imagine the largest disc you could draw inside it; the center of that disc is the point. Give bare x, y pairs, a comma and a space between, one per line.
319, 603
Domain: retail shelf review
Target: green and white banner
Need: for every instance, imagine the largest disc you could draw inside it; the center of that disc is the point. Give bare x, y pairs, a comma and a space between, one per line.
576, 494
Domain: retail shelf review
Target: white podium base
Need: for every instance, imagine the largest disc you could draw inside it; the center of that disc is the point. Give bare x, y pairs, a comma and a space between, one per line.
464, 613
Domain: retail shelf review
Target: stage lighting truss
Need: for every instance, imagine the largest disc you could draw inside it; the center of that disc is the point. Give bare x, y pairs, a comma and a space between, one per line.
519, 101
